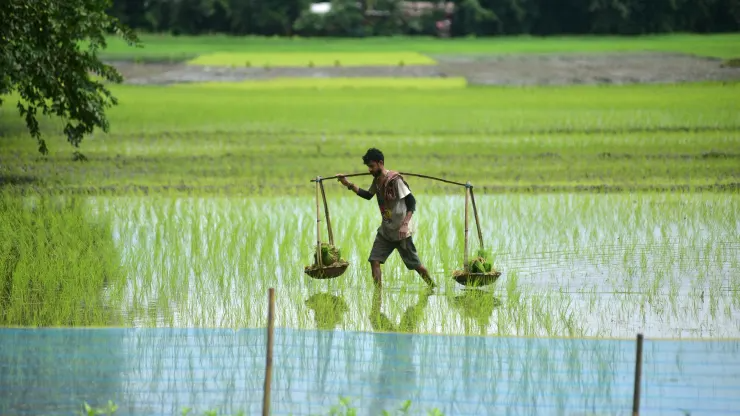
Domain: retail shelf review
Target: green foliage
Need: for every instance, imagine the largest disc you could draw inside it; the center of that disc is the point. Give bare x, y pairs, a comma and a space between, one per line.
110, 409
471, 17
344, 408
341, 409
213, 412
43, 62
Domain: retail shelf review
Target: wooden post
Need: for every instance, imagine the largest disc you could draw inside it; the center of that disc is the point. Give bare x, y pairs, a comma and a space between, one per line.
326, 212
638, 378
268, 361
477, 221
465, 255
318, 225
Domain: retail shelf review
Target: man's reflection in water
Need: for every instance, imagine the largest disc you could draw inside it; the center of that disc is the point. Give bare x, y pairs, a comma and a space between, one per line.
476, 307
328, 312
396, 381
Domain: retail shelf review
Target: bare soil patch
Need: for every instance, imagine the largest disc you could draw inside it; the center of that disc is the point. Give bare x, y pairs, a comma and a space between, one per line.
622, 68
181, 73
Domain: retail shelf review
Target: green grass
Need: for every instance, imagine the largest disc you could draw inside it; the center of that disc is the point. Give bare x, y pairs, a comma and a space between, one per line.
220, 139
309, 59
56, 266
293, 84
186, 47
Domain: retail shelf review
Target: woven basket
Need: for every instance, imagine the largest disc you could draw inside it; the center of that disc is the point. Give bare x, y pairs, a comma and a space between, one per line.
327, 272
466, 278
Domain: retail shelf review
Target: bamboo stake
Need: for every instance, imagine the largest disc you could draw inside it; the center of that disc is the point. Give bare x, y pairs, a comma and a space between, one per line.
465, 255
477, 222
326, 211
638, 377
268, 360
318, 227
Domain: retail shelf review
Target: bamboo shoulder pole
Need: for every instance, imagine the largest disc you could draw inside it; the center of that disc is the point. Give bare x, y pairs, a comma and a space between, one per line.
349, 175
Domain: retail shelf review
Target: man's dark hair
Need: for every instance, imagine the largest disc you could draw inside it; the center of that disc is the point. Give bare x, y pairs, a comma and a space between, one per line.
373, 155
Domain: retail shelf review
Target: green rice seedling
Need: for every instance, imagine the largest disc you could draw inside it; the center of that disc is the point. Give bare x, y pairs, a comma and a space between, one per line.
646, 138
58, 267
293, 59
93, 411
329, 255
161, 47
199, 234
353, 83
479, 263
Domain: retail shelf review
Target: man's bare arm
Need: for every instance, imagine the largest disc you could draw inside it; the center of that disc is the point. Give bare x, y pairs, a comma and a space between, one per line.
407, 218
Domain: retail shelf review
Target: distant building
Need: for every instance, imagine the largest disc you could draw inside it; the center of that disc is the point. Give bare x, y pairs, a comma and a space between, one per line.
320, 8
409, 9
419, 8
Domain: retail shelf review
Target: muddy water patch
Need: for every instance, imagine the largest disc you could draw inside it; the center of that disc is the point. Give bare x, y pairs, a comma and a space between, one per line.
525, 69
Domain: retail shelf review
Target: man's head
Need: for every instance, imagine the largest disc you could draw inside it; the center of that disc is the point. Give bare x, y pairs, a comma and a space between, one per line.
375, 161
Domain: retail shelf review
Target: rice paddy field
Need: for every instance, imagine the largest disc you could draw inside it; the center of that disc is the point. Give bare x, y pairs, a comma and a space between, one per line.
610, 210
158, 47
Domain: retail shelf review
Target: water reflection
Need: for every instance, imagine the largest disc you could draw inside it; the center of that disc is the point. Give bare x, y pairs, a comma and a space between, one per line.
328, 313
396, 380
328, 309
163, 371
44, 371
475, 305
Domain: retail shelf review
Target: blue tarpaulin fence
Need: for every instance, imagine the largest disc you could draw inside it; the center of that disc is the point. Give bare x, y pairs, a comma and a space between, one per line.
162, 371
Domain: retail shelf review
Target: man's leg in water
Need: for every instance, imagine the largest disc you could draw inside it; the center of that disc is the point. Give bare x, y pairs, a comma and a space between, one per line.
377, 274
382, 248
424, 273
410, 257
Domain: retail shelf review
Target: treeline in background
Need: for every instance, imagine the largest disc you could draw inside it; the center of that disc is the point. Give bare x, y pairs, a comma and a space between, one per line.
458, 18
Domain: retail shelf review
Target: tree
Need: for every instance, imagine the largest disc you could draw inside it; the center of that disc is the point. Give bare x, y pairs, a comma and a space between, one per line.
49, 51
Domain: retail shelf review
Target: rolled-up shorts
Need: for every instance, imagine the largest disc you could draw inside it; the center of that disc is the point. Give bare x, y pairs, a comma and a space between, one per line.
382, 249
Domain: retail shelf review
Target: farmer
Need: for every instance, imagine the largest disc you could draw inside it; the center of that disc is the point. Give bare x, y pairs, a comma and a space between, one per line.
397, 206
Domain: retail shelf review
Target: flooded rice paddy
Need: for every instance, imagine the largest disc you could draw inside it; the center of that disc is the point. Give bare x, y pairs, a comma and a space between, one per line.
585, 265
